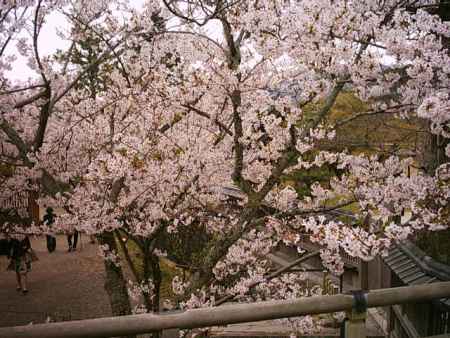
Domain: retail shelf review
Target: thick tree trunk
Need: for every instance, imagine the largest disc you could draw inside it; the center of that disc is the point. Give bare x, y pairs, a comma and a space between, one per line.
147, 274
157, 280
115, 284
152, 271
127, 256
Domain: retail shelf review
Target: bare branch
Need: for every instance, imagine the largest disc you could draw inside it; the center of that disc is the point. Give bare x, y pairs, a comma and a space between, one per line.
36, 31
17, 90
180, 15
214, 42
15, 139
306, 212
369, 113
206, 115
30, 100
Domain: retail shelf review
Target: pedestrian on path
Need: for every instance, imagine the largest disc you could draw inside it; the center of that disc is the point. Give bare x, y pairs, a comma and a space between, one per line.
21, 256
49, 219
74, 234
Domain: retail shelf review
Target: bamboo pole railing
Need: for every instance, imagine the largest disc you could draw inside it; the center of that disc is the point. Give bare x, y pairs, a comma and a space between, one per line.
222, 315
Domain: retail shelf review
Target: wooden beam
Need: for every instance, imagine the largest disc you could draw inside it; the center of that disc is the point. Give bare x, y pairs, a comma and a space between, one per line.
228, 314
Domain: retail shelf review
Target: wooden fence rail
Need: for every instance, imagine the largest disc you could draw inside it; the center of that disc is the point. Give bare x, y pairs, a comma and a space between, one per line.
227, 314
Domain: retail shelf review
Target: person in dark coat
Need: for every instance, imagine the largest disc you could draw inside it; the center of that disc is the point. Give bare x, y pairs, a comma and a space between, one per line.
49, 219
5, 247
20, 255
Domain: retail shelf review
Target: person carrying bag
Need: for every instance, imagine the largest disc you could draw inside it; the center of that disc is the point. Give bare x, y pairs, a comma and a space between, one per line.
21, 256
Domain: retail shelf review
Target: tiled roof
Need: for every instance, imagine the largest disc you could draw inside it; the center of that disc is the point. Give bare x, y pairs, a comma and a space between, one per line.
406, 267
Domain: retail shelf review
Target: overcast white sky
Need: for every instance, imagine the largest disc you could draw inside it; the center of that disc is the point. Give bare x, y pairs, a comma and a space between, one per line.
49, 42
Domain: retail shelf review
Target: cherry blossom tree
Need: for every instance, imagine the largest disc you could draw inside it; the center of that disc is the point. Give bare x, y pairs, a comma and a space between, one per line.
197, 96
33, 110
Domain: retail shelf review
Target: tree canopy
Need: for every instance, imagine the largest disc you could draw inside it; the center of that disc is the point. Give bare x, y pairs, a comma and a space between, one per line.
151, 114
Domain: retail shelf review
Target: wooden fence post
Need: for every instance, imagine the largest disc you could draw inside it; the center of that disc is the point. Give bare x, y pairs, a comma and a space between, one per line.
355, 326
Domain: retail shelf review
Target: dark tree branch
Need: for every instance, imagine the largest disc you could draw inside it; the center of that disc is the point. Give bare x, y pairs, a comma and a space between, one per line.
306, 212
206, 115
15, 139
290, 155
366, 114
30, 100
36, 31
271, 276
43, 120
17, 90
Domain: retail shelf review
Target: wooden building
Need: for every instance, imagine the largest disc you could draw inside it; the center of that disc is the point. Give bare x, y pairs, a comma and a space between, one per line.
405, 265
20, 209
411, 266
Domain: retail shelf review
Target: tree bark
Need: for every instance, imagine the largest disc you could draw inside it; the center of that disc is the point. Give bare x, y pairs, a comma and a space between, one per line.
152, 271
157, 279
115, 284
127, 256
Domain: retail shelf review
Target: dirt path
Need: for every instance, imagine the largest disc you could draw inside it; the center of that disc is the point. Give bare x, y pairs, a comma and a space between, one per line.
63, 286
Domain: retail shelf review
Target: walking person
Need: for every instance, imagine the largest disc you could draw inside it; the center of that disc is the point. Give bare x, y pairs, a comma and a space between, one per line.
74, 235
49, 219
21, 256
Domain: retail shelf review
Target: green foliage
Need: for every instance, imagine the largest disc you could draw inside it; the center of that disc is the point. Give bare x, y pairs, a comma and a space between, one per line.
376, 134
168, 269
185, 247
168, 272
84, 54
380, 133
6, 170
301, 180
436, 245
